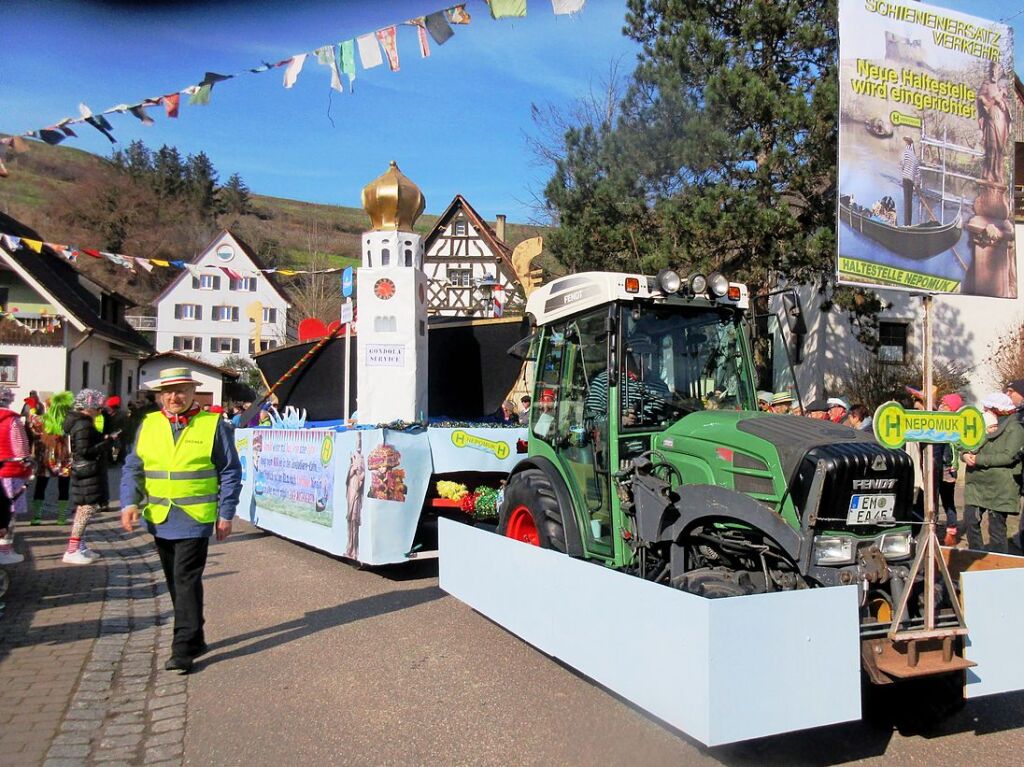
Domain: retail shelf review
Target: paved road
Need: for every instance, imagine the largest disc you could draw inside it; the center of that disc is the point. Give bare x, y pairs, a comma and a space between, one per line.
316, 662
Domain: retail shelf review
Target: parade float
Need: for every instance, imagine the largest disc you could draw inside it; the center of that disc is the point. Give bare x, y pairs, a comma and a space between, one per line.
364, 470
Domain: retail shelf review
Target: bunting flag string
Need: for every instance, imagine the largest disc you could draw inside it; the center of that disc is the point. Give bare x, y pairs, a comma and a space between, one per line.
72, 253
338, 57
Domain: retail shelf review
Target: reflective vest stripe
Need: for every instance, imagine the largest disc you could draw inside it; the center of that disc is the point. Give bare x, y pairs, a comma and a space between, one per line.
200, 474
179, 472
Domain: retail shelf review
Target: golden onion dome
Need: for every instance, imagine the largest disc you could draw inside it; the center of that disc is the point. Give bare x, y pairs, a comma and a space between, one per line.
393, 202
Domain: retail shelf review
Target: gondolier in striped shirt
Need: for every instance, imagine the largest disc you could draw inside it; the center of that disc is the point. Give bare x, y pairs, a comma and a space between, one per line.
910, 170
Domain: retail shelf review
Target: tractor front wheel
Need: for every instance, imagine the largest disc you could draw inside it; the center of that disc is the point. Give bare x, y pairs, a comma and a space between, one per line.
716, 583
530, 511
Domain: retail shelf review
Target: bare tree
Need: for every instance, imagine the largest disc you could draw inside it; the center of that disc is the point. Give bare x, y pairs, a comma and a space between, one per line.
316, 295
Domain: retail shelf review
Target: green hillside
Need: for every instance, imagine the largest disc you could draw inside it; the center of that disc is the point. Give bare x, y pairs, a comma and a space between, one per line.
71, 196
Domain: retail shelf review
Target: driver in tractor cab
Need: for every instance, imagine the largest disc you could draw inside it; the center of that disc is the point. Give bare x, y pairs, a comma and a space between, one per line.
642, 394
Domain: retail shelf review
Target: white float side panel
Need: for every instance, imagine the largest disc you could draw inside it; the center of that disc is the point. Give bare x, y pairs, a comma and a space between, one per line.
720, 671
782, 662
995, 625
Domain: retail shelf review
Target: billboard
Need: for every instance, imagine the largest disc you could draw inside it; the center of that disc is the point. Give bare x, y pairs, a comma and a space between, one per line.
925, 150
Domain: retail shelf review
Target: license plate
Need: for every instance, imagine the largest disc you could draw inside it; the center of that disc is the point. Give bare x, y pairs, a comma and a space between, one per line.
871, 509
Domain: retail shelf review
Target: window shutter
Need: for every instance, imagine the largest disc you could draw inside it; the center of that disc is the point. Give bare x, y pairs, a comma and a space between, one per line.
234, 314
252, 284
195, 283
199, 311
234, 346
197, 344
176, 344
216, 282
177, 311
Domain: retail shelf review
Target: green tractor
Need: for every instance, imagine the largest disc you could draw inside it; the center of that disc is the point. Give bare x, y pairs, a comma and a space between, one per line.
648, 454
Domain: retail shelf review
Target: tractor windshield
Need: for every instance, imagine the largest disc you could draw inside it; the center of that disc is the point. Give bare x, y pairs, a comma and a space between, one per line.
681, 359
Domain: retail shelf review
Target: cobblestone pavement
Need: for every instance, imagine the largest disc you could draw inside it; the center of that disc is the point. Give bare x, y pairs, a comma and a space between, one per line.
81, 655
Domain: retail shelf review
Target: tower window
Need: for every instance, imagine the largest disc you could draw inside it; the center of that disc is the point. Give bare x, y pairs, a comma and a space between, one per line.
385, 256
408, 256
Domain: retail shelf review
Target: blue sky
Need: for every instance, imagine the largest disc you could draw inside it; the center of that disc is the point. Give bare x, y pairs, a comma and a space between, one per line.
456, 122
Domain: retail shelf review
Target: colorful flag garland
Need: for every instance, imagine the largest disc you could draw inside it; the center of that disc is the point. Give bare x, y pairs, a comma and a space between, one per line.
339, 58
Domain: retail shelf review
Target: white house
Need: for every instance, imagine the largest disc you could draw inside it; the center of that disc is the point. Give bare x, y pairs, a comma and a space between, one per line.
468, 264
60, 329
220, 304
212, 379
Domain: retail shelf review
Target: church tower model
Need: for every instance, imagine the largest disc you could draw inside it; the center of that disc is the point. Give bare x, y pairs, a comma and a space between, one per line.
391, 304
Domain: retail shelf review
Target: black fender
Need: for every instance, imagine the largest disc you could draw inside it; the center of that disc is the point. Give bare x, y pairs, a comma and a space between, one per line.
573, 540
712, 503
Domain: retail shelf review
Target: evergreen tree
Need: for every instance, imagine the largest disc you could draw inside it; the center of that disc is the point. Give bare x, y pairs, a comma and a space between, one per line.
168, 172
136, 160
723, 152
235, 196
200, 185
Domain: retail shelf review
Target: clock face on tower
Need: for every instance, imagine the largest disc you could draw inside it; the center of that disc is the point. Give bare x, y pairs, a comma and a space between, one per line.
384, 288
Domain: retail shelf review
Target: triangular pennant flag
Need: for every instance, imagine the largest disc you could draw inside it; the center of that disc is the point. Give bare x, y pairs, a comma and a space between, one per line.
171, 103
562, 7
200, 95
51, 136
421, 33
388, 38
84, 110
159, 262
144, 263
291, 73
67, 131
178, 264
212, 78
287, 272
231, 273
262, 68
91, 252
100, 123
348, 61
70, 253
458, 15
34, 245
327, 55
139, 112
11, 242
369, 51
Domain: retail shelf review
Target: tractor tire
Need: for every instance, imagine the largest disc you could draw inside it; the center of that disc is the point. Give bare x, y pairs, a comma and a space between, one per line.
530, 511
715, 583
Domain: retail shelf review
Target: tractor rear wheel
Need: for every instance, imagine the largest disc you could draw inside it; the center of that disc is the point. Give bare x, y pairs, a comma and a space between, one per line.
530, 511
716, 583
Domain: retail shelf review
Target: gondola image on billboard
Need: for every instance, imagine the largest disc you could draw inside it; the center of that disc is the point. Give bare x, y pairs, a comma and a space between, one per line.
925, 160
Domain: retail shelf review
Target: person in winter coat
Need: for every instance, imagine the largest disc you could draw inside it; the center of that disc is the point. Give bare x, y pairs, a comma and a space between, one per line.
89, 451
14, 473
992, 484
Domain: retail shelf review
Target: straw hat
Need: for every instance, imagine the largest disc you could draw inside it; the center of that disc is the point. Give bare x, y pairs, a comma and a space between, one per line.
172, 377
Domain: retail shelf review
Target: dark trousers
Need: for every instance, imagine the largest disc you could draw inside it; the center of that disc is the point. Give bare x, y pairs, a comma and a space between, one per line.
183, 562
908, 202
947, 502
996, 529
63, 485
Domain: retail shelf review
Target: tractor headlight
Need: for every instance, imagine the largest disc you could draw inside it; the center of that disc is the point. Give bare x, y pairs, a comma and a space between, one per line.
669, 281
894, 545
698, 284
719, 284
833, 550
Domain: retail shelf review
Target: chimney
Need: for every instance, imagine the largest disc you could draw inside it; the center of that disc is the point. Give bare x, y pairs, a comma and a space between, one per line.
499, 227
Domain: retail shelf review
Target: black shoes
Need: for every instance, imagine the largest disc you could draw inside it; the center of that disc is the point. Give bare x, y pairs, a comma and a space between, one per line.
179, 665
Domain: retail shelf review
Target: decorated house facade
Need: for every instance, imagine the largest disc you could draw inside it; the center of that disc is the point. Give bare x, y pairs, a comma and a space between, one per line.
469, 267
60, 329
223, 304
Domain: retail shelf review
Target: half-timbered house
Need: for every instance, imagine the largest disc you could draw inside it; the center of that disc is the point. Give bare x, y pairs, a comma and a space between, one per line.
469, 266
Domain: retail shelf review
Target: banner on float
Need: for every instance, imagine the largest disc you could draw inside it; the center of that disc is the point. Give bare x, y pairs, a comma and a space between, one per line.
925, 150
294, 473
484, 449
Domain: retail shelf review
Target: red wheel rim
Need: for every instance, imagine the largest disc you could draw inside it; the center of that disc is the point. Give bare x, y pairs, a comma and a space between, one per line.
521, 526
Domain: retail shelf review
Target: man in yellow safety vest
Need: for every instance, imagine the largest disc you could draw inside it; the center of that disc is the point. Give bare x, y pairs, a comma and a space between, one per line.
185, 474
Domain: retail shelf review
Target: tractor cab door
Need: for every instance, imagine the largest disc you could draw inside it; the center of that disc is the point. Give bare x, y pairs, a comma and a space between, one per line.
573, 419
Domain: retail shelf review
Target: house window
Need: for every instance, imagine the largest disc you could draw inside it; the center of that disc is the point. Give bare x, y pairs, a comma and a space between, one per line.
264, 345
892, 341
269, 315
8, 368
224, 345
187, 344
188, 312
225, 313
130, 382
460, 229
85, 374
247, 284
460, 278
206, 282
225, 253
